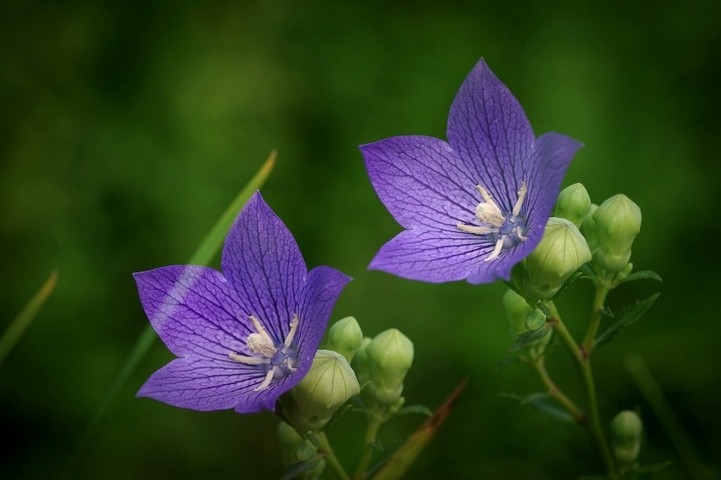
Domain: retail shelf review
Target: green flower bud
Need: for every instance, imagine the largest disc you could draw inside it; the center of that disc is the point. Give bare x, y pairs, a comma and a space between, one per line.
561, 252
626, 430
573, 204
618, 222
588, 229
523, 318
295, 448
345, 337
327, 386
360, 363
390, 355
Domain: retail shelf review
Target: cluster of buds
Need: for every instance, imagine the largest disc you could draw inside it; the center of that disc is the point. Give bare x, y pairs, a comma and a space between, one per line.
579, 233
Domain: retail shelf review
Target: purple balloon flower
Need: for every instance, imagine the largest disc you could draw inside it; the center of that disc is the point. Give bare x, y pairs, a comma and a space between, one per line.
246, 335
476, 205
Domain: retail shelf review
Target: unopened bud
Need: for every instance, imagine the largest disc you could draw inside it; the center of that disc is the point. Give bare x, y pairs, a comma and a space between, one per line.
573, 204
561, 252
345, 337
390, 355
618, 222
626, 431
360, 363
327, 386
523, 318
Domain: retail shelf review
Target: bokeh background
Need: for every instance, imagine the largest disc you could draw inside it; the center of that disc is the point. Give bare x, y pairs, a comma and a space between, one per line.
127, 127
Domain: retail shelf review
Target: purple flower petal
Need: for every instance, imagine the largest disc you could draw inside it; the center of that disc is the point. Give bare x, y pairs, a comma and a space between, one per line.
488, 129
208, 318
477, 205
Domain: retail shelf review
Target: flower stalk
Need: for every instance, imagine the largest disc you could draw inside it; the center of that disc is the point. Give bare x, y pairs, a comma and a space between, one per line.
582, 360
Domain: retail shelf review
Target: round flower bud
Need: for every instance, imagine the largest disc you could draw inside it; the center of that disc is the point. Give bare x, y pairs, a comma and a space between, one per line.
573, 204
561, 252
523, 318
345, 337
390, 355
360, 363
588, 229
327, 386
618, 222
626, 430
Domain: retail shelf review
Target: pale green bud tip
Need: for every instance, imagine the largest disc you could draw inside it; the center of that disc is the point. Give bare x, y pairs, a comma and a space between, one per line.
561, 252
573, 204
521, 316
390, 355
345, 337
329, 384
626, 430
618, 221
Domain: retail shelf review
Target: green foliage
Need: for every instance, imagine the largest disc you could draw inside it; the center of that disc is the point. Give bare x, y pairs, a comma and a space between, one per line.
627, 316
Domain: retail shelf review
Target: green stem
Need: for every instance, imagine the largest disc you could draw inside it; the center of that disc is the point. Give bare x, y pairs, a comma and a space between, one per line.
599, 300
584, 365
555, 392
332, 460
374, 424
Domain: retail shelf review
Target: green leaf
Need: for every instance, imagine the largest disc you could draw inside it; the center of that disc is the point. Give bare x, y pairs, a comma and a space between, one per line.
544, 404
642, 275
20, 323
396, 466
574, 276
530, 337
299, 468
627, 316
413, 409
202, 256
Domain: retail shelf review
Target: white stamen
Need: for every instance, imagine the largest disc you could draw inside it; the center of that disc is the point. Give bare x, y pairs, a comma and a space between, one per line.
261, 344
521, 198
488, 211
291, 334
475, 229
266, 381
248, 360
496, 251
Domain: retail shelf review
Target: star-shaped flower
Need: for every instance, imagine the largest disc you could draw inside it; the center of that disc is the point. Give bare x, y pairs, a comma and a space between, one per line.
244, 336
476, 205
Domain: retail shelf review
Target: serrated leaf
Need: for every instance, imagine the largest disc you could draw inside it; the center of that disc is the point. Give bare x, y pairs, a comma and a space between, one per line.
396, 466
544, 404
413, 409
627, 316
530, 337
642, 275
22, 321
204, 254
575, 276
300, 468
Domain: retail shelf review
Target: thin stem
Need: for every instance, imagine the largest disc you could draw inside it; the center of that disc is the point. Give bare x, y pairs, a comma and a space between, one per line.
583, 363
332, 460
599, 301
539, 365
374, 424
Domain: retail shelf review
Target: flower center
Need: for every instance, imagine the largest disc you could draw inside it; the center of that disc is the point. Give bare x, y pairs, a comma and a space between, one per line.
278, 361
505, 230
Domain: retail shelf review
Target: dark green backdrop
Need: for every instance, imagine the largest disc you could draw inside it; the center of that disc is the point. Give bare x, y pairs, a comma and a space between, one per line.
127, 127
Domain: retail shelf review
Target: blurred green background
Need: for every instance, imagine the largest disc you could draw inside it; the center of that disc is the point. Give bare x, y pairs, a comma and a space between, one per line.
127, 127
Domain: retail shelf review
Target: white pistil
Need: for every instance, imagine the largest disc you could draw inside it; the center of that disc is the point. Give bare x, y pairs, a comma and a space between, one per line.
521, 198
261, 344
492, 219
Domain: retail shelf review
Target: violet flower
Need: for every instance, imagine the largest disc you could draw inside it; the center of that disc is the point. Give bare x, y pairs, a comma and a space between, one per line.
476, 205
244, 336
